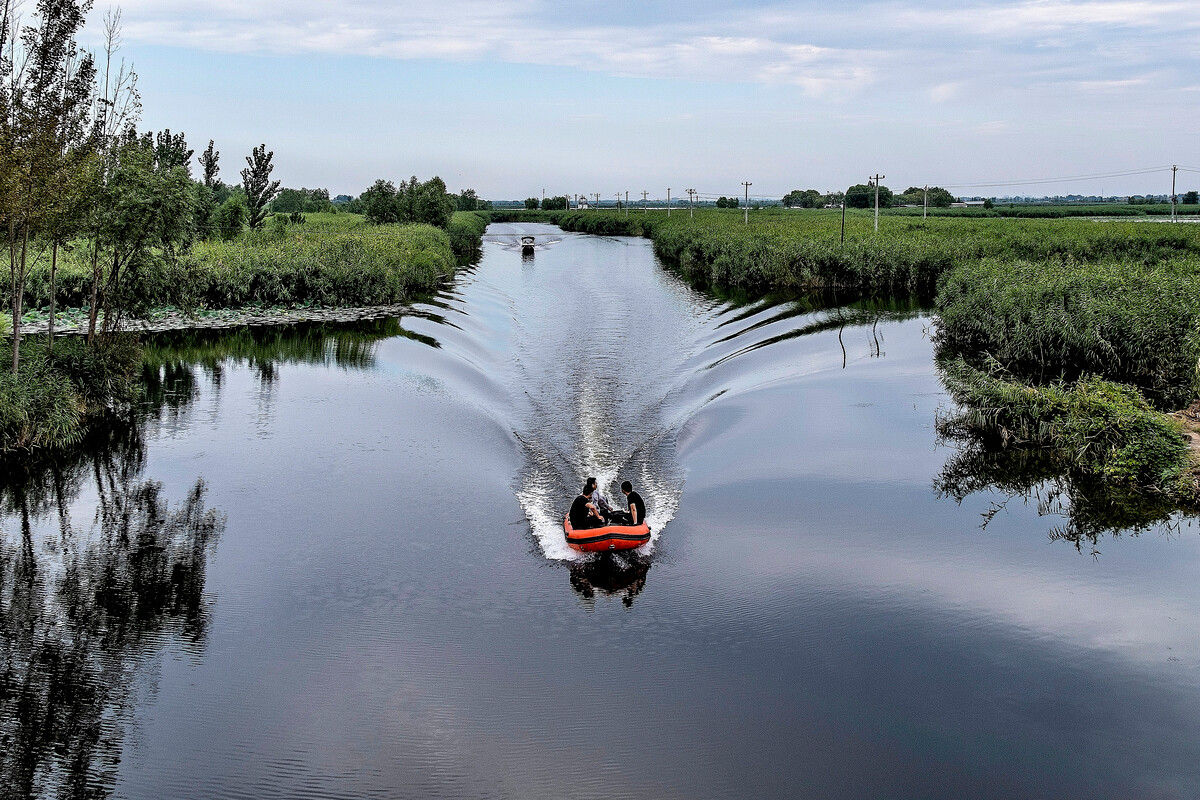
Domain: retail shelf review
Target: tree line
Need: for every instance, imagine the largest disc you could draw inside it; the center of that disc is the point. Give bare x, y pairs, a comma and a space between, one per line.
863, 196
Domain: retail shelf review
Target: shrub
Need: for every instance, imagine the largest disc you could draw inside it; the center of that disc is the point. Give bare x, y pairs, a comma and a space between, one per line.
466, 232
1099, 427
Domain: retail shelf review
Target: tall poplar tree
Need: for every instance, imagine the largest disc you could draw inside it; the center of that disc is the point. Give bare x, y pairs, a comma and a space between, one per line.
256, 180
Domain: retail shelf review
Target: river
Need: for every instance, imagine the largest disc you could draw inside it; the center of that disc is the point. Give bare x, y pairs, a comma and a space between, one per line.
328, 562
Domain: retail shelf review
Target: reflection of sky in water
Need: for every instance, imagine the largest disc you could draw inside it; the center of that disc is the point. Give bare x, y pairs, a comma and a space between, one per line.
812, 622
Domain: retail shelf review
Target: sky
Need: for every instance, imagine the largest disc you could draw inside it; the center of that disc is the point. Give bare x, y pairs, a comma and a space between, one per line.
583, 97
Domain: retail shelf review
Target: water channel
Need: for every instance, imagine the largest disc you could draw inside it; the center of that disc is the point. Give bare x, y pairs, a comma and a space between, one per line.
328, 562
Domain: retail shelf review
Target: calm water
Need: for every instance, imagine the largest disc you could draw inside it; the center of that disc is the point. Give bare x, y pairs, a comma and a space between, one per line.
329, 563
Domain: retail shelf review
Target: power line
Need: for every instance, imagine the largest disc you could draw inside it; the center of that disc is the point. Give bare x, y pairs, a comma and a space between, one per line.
1062, 179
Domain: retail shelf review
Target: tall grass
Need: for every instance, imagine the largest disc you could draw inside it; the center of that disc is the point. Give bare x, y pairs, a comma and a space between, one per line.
1059, 318
362, 266
796, 250
329, 259
466, 233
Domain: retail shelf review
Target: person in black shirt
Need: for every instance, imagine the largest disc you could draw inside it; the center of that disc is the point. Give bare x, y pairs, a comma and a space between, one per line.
637, 507
584, 513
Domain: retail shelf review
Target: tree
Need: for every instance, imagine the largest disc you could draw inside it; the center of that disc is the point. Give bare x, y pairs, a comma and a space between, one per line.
531, 204
863, 196
208, 162
142, 218
230, 217
291, 201
256, 181
555, 203
379, 203
1191, 198
809, 198
430, 203
727, 202
410, 202
171, 150
938, 197
47, 88
466, 200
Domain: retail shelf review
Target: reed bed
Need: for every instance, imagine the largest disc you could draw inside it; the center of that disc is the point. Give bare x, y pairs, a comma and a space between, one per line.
329, 260
1060, 319
792, 250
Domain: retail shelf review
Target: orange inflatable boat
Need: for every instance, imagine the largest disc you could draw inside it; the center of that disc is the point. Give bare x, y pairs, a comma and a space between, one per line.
610, 537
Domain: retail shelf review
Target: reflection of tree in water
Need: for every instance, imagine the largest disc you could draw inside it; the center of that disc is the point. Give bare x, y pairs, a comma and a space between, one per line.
610, 574
1089, 508
171, 359
82, 607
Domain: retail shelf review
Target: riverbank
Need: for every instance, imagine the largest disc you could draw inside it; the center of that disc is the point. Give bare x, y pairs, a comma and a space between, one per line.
328, 260
74, 323
329, 268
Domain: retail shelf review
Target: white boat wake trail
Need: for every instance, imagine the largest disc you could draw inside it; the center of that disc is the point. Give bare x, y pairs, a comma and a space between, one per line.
595, 358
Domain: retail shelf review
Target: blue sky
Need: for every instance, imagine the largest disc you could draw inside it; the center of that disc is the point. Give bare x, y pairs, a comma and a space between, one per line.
512, 98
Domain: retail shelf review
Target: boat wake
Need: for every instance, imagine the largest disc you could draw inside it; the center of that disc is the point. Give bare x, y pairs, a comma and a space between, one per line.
595, 360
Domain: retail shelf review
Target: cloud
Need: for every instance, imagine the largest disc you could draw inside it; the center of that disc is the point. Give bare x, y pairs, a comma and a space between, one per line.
944, 51
945, 92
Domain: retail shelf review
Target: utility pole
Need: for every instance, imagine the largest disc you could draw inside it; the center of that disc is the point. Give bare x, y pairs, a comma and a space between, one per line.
746, 220
668, 202
877, 179
597, 196
1174, 169
618, 201
925, 213
843, 219
543, 199
644, 193
691, 208
626, 204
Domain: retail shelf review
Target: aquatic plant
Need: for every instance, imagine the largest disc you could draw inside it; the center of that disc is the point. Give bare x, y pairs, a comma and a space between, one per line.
1059, 318
1100, 428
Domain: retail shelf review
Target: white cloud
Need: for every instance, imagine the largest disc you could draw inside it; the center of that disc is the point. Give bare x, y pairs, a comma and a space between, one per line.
945, 92
822, 49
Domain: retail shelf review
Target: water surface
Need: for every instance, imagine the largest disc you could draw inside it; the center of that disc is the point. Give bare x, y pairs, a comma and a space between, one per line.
329, 563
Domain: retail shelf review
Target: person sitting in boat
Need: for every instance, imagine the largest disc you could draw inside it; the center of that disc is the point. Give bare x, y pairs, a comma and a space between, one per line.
637, 508
602, 505
584, 513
